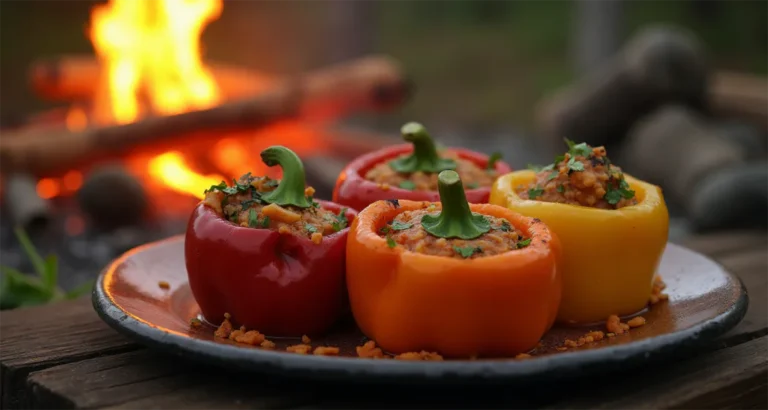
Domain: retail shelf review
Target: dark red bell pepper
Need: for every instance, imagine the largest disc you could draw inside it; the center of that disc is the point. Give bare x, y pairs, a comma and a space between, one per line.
354, 191
278, 284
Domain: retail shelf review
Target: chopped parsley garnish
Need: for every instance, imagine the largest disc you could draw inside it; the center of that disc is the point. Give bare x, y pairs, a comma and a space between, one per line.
253, 219
538, 168
492, 160
340, 221
535, 192
581, 149
553, 175
221, 186
573, 165
523, 243
409, 185
473, 185
312, 201
385, 229
505, 226
391, 242
265, 222
467, 251
559, 158
310, 228
561, 188
232, 217
613, 196
400, 226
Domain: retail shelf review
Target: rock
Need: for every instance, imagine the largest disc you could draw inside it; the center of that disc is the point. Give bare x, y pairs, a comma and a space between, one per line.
660, 65
731, 198
111, 197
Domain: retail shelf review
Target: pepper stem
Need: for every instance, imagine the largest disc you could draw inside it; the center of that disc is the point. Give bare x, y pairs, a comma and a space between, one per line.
290, 191
424, 157
456, 220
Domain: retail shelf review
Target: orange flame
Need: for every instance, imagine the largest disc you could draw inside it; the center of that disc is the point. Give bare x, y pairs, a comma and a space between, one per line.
151, 62
153, 47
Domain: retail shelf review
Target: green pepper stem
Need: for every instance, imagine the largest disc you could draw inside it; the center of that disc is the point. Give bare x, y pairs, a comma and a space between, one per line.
424, 157
456, 219
290, 191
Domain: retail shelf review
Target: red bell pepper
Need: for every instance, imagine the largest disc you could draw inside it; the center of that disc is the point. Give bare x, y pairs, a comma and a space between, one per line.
278, 284
353, 190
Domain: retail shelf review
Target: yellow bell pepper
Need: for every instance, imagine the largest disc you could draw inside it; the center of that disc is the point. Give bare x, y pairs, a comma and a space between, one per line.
609, 256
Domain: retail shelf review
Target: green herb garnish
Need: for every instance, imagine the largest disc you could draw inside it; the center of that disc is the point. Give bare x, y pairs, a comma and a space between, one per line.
467, 251
409, 185
538, 168
553, 175
391, 242
265, 222
400, 226
523, 243
220, 187
310, 228
253, 218
581, 149
573, 165
561, 188
385, 229
613, 196
535, 192
492, 160
505, 226
340, 221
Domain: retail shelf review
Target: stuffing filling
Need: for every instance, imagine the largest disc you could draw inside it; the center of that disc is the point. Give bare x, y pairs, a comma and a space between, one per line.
473, 175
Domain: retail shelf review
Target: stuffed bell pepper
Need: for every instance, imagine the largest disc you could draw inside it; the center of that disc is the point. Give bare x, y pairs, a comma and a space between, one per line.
459, 279
613, 229
409, 171
264, 251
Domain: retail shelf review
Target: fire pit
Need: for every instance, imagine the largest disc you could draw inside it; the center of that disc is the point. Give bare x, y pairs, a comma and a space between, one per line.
148, 125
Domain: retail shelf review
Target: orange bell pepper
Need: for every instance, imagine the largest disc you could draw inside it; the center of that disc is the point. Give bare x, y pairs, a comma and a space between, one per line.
497, 305
609, 256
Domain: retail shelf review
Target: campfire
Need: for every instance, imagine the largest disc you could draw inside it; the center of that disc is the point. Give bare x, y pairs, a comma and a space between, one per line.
175, 122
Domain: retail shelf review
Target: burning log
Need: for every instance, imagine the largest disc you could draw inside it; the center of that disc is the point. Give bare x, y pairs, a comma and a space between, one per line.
373, 83
72, 78
25, 207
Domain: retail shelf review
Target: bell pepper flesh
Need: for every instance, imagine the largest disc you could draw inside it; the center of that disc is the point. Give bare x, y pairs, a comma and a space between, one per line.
609, 256
497, 305
280, 285
354, 191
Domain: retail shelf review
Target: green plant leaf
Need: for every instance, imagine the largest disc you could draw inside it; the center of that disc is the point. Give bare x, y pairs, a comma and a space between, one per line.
82, 289
37, 261
20, 290
51, 272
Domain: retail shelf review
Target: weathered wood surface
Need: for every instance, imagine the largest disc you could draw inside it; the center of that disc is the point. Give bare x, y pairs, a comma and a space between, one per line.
63, 356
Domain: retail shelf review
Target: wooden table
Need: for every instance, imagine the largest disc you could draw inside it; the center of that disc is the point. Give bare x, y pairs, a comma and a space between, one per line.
63, 356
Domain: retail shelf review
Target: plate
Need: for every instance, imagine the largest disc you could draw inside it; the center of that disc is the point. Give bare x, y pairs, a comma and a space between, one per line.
704, 302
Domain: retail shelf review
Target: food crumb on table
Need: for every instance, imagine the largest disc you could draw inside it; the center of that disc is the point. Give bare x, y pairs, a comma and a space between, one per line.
305, 339
299, 349
164, 285
636, 321
369, 351
225, 329
267, 344
613, 324
422, 355
195, 322
326, 351
656, 294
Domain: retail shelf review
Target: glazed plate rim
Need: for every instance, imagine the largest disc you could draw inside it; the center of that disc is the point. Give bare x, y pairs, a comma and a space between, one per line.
565, 364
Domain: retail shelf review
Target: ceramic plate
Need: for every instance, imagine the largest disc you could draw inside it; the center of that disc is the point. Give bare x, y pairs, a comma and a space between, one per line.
704, 302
